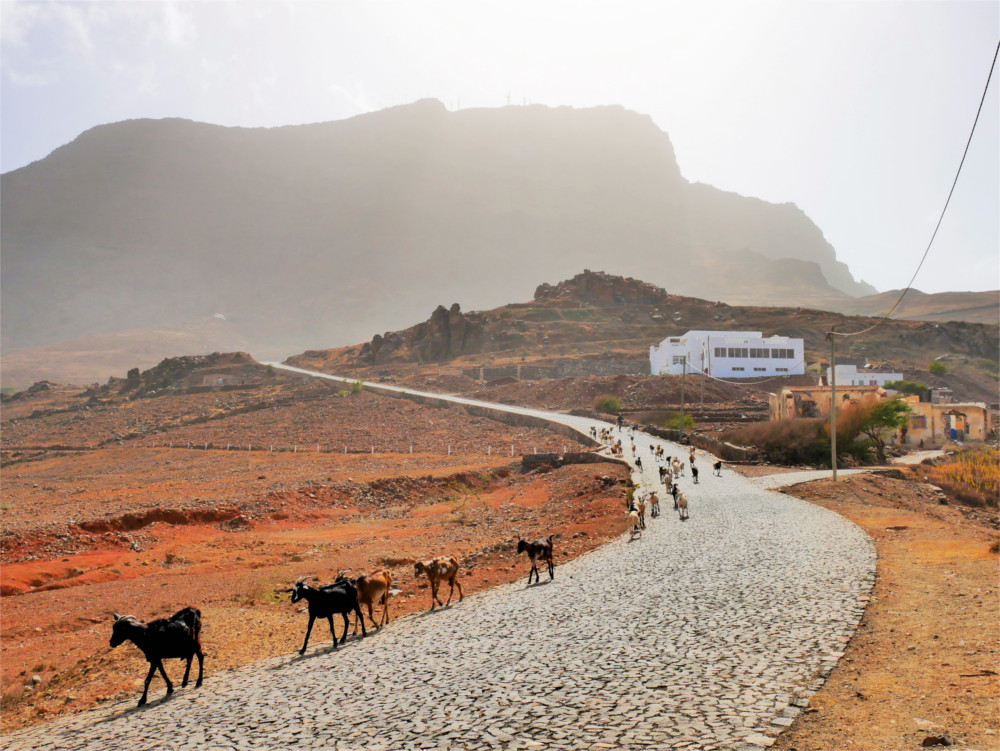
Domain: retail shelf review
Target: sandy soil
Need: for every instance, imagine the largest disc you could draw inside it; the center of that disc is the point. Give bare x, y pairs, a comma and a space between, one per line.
923, 662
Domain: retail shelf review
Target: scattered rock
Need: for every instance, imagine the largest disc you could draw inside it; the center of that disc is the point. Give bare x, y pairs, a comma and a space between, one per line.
936, 740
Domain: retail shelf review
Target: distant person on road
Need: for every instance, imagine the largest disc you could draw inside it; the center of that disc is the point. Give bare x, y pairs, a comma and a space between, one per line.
621, 420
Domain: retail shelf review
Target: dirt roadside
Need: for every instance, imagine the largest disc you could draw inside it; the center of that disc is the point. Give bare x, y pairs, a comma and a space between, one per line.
923, 662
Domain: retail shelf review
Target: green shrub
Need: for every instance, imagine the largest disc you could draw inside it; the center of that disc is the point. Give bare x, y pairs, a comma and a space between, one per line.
356, 387
608, 404
673, 422
908, 387
937, 368
806, 441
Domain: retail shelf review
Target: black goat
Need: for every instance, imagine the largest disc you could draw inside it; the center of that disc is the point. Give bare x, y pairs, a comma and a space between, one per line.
674, 491
177, 636
717, 468
324, 602
694, 473
538, 550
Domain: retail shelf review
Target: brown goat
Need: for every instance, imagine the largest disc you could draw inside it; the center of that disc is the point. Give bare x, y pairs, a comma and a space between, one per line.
372, 588
538, 550
443, 568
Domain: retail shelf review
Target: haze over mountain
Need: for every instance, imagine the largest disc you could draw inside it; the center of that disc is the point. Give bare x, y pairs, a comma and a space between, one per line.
317, 235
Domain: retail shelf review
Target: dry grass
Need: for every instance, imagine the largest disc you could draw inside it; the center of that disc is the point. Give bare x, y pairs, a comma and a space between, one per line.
971, 476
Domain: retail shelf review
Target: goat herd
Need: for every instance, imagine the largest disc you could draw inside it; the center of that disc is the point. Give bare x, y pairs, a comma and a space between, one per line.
670, 469
179, 636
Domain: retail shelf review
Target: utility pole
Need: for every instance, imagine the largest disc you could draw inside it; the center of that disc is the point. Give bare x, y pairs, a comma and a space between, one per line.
833, 405
684, 363
701, 397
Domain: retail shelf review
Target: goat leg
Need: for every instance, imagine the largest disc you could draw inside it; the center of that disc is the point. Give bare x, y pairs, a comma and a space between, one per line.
187, 671
201, 658
385, 608
149, 679
309, 629
552, 570
333, 630
357, 609
163, 672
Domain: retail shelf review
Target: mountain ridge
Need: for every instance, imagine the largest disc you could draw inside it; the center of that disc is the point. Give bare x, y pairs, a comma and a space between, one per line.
305, 233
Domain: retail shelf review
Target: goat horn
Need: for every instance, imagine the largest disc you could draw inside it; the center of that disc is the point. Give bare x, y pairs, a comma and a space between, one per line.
116, 616
304, 578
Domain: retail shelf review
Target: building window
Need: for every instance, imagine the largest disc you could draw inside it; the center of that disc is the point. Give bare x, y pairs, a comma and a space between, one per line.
782, 354
738, 352
757, 352
738, 368
679, 359
720, 351
918, 421
782, 370
760, 370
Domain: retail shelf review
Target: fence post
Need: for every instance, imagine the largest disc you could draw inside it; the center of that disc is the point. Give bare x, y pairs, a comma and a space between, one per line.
317, 448
488, 448
512, 449
449, 449
295, 449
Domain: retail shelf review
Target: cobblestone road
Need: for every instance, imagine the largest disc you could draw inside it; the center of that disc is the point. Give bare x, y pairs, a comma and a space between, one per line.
705, 634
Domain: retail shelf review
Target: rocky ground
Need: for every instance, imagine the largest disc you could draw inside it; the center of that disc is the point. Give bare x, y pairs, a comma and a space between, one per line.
286, 416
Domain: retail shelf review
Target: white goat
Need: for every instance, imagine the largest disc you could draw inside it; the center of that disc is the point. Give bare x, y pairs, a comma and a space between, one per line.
635, 530
682, 506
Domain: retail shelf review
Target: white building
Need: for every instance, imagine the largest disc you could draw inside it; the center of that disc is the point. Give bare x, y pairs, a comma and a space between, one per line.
848, 375
728, 354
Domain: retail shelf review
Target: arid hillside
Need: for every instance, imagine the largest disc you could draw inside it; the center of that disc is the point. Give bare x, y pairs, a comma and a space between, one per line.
600, 324
214, 481
974, 307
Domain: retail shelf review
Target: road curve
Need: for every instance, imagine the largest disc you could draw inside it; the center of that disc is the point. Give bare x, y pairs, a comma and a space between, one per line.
705, 634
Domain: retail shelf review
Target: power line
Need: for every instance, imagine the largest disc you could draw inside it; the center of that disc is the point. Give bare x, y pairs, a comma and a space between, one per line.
954, 182
742, 382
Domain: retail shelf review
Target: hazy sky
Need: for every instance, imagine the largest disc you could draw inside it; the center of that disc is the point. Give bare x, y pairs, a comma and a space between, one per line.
856, 111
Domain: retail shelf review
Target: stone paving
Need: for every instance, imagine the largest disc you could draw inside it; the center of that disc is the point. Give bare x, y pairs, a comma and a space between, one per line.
705, 634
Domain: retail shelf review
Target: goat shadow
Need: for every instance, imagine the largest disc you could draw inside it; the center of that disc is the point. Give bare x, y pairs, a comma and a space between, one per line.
435, 611
131, 708
317, 652
539, 583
